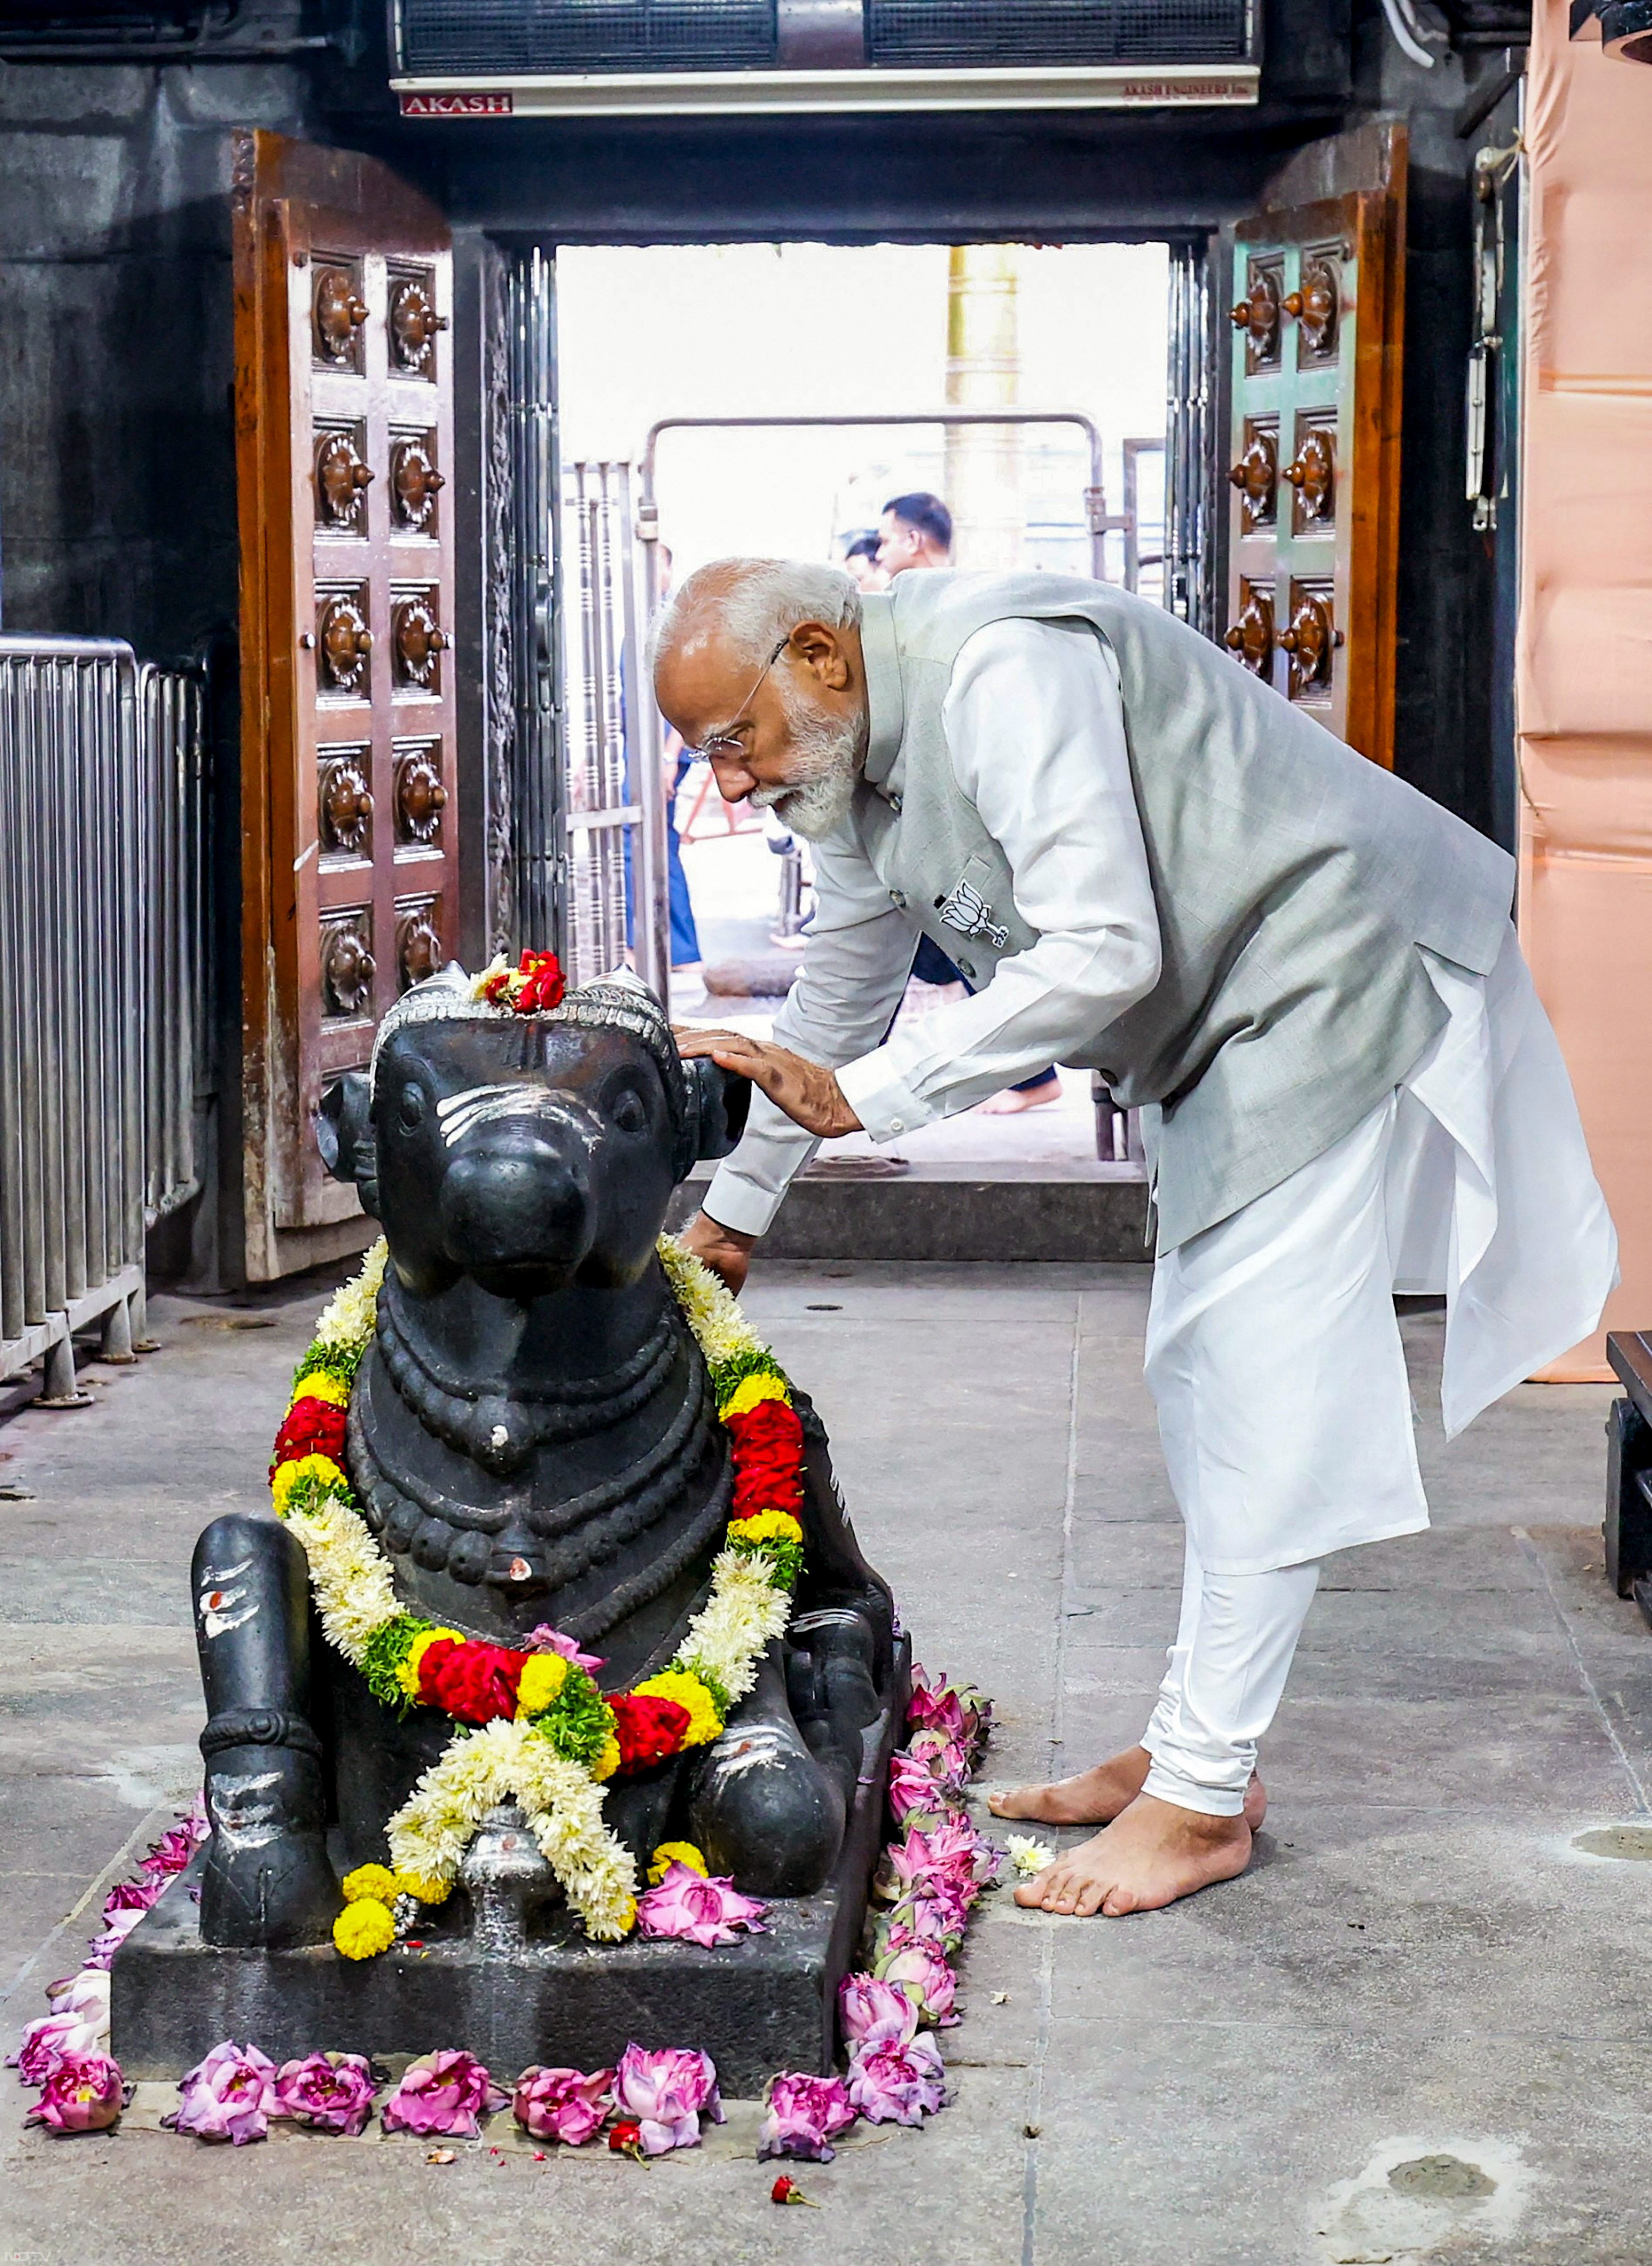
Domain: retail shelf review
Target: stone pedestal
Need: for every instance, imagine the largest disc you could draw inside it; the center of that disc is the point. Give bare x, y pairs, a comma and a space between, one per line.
764, 2004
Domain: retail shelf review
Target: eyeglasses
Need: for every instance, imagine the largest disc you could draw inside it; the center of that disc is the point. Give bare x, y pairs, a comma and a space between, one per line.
725, 739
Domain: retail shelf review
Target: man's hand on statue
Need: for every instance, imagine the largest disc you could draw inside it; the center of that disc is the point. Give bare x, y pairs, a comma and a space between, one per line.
809, 1095
725, 1250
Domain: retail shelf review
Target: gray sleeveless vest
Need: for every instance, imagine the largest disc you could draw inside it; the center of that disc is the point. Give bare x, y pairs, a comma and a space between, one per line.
1294, 881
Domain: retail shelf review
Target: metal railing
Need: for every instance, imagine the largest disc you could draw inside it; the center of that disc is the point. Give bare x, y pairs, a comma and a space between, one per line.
102, 958
600, 629
178, 1071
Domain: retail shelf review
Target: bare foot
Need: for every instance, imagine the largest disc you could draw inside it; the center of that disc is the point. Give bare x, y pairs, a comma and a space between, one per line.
1151, 1855
1011, 1103
1095, 1797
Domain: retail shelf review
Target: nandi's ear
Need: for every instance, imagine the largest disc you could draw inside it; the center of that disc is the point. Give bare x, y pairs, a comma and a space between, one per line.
720, 1099
344, 1135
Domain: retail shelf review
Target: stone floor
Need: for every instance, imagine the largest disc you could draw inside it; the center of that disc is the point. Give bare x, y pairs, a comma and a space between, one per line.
1413, 2031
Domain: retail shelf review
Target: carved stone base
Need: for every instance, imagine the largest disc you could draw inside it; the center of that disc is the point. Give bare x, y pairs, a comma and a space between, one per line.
764, 2004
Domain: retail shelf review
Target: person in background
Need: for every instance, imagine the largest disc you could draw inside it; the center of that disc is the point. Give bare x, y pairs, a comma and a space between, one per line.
915, 531
685, 941
860, 562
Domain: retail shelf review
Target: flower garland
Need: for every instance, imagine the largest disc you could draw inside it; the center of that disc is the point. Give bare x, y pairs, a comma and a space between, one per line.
931, 1876
531, 1724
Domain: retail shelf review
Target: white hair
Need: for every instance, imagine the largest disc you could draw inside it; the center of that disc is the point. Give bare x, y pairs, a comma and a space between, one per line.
752, 603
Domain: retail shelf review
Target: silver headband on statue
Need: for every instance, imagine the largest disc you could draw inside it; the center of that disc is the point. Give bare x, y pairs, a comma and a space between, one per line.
620, 1001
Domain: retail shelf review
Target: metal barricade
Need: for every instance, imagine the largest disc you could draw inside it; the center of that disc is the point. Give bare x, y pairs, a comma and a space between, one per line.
101, 913
177, 986
599, 614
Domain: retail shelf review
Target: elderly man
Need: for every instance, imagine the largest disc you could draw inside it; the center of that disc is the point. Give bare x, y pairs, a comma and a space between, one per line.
1304, 974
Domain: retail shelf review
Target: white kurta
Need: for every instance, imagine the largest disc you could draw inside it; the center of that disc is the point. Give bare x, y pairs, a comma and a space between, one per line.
1273, 1351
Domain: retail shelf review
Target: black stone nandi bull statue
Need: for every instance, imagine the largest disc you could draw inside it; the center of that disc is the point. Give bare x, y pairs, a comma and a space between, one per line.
533, 1440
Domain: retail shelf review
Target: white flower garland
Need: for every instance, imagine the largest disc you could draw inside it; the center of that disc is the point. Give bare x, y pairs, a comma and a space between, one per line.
504, 1759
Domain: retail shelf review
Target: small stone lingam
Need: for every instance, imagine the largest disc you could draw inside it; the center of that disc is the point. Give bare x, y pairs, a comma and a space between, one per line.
533, 1442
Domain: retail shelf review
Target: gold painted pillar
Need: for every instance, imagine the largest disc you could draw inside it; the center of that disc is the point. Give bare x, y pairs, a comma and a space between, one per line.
983, 489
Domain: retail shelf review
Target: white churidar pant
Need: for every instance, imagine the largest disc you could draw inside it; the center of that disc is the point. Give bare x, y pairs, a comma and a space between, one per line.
1274, 1356
1227, 1677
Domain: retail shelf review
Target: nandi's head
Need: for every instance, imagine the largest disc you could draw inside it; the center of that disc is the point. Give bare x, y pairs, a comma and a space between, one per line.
527, 1150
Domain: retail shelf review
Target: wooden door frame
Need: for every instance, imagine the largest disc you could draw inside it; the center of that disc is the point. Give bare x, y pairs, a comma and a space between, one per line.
274, 470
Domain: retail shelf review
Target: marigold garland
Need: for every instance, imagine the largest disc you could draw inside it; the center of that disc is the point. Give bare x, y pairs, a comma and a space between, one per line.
533, 1725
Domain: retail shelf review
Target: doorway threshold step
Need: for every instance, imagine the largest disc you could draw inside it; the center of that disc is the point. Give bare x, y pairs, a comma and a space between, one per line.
997, 1213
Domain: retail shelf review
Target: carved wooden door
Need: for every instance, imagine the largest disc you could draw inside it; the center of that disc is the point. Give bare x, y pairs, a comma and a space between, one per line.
1314, 440
344, 444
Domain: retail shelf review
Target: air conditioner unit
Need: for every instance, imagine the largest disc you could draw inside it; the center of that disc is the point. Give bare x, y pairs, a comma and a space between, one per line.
612, 57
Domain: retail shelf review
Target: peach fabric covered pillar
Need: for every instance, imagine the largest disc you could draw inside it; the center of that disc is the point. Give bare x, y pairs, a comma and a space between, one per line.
1584, 646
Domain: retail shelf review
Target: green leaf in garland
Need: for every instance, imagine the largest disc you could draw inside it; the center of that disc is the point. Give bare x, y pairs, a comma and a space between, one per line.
386, 1650
782, 1561
754, 1360
693, 1666
579, 1722
339, 1361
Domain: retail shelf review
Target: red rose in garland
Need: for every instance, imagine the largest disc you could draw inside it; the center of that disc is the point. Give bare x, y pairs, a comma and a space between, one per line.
537, 983
310, 1428
649, 1730
767, 1459
543, 984
475, 1682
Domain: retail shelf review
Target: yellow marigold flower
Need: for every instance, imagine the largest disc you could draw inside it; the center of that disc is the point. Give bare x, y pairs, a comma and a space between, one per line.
321, 1385
677, 1683
541, 1680
766, 1526
608, 1762
765, 1386
408, 1674
376, 1881
676, 1852
426, 1887
298, 1468
364, 1928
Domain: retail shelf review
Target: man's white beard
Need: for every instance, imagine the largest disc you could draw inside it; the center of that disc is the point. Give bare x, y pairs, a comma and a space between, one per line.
827, 756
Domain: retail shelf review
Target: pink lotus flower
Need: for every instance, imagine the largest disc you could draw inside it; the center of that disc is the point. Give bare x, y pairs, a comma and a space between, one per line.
84, 2093
955, 1843
545, 1638
957, 1709
328, 2091
133, 1895
872, 2011
117, 1926
920, 1970
443, 2093
563, 2104
805, 2114
914, 1790
909, 1874
665, 2093
898, 2081
229, 2096
695, 1909
85, 1993
946, 1759
172, 1852
67, 2033
916, 1919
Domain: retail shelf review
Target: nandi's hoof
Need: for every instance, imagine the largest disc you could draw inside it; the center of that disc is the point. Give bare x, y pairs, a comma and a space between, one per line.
762, 1809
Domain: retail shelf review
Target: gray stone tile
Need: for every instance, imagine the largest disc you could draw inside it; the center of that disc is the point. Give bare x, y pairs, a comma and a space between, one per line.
1424, 1923
1209, 2144
1548, 1755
